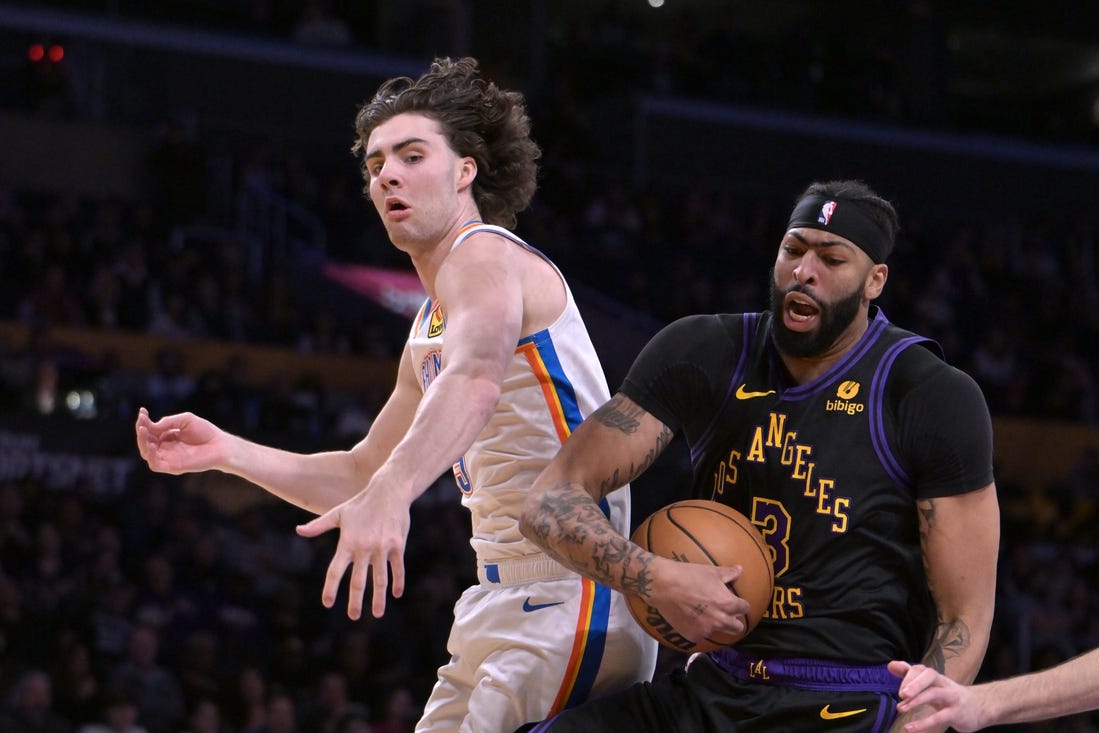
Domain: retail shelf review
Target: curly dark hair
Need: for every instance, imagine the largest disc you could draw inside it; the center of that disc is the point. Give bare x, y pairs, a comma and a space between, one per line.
479, 120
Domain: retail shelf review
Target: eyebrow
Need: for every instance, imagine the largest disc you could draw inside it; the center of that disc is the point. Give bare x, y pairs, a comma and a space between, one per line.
376, 152
828, 242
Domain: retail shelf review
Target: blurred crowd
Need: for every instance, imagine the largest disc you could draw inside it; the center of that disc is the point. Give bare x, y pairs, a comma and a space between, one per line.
168, 607
157, 608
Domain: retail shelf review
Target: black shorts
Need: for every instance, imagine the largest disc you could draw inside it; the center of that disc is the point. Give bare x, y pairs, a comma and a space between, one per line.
730, 692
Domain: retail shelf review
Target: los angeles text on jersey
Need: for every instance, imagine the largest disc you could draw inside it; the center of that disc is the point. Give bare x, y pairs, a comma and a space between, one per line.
772, 442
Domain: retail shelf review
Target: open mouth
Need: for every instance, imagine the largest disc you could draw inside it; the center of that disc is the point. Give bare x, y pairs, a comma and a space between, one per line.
800, 308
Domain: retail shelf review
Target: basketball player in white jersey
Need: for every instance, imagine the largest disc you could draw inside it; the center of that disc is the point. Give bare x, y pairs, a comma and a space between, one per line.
497, 372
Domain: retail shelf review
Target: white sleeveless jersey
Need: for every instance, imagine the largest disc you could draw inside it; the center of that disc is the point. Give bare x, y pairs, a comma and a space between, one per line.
553, 382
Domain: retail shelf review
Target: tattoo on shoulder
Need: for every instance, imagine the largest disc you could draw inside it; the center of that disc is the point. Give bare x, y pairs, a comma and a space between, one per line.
618, 478
926, 507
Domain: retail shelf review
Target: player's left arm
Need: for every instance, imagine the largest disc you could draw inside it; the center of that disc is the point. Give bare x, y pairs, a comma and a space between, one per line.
483, 298
960, 537
949, 434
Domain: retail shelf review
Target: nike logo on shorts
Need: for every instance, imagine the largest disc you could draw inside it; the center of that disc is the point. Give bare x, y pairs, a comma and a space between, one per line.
528, 606
826, 714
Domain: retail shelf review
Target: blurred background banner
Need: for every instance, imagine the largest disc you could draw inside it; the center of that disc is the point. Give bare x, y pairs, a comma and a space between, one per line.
398, 290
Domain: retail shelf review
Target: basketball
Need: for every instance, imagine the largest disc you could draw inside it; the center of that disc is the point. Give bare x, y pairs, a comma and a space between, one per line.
712, 533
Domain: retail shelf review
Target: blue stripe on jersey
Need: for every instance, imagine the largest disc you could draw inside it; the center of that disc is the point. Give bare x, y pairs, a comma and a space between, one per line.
570, 408
421, 317
593, 649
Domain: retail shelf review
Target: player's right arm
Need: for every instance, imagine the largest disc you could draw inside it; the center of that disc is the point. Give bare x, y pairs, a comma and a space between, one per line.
1067, 689
615, 445
316, 482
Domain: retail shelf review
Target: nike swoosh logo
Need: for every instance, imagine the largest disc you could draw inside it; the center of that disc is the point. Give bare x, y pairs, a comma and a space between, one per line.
528, 606
743, 394
826, 714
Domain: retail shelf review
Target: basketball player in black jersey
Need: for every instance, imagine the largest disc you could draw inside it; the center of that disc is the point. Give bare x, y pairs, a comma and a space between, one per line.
860, 454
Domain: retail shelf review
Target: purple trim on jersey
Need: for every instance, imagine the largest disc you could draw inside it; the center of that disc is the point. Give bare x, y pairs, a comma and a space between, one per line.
807, 674
887, 713
877, 415
877, 326
750, 320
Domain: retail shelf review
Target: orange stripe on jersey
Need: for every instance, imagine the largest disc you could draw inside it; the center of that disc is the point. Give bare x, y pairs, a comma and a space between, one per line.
467, 226
545, 380
579, 644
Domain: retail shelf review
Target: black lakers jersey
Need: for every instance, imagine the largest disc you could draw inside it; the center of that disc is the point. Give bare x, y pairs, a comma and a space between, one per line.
829, 471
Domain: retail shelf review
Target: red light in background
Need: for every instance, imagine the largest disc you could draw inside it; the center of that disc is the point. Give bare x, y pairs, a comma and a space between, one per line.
56, 53
35, 52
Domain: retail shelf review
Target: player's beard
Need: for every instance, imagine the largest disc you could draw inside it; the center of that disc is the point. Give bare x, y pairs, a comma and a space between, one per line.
833, 320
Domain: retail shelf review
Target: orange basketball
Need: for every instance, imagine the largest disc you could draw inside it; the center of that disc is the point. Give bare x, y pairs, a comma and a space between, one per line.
712, 533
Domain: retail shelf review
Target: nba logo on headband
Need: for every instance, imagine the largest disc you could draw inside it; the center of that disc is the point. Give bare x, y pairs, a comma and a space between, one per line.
826, 212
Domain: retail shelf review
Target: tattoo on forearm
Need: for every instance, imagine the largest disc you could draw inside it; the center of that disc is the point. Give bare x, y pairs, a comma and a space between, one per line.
572, 527
926, 510
570, 520
952, 637
951, 640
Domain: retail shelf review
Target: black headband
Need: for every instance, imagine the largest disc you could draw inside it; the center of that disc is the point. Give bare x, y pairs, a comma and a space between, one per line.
845, 218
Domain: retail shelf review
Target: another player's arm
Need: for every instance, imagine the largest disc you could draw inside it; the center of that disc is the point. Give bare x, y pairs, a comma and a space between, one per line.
316, 482
484, 298
960, 536
1067, 689
480, 285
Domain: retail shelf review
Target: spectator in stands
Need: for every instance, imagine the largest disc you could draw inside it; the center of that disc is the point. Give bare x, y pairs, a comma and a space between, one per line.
282, 714
29, 707
398, 714
155, 688
77, 689
119, 715
247, 708
205, 717
54, 302
329, 704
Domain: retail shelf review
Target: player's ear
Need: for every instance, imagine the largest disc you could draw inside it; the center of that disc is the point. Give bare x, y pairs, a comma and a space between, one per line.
875, 280
467, 171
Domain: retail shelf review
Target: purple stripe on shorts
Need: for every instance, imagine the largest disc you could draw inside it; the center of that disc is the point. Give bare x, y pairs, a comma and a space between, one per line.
807, 674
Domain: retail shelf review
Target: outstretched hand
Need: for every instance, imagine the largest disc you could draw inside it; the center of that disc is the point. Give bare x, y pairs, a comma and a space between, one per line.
950, 701
179, 443
373, 529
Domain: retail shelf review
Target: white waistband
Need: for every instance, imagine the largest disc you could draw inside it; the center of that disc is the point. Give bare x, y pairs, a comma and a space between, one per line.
518, 570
